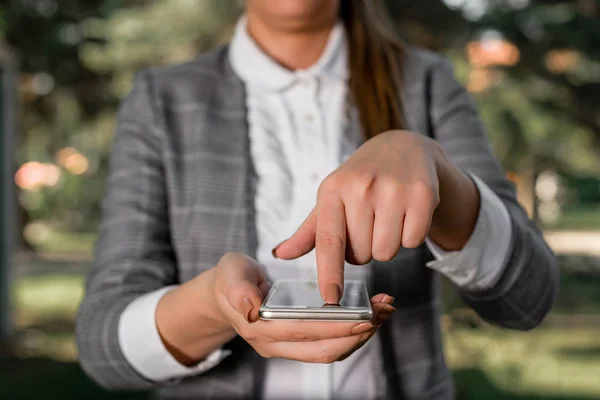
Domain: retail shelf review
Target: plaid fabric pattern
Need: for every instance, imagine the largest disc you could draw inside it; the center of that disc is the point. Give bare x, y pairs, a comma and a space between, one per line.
179, 197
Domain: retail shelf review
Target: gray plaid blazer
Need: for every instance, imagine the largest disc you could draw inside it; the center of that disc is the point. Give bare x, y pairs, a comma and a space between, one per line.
179, 197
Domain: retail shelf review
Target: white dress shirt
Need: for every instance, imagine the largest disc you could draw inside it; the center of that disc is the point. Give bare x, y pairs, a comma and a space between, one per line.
301, 128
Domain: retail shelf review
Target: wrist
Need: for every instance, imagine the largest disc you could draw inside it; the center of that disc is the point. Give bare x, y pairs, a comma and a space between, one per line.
190, 322
167, 325
218, 316
456, 216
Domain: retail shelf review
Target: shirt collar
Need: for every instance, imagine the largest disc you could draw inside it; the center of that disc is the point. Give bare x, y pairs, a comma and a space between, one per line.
254, 66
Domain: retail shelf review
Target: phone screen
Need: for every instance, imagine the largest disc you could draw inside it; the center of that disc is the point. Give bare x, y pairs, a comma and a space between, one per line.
303, 294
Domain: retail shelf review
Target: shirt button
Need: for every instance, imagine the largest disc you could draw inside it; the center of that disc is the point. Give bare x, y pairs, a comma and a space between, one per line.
309, 117
314, 178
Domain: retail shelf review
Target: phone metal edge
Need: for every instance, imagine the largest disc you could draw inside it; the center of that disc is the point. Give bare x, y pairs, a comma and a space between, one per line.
271, 314
283, 314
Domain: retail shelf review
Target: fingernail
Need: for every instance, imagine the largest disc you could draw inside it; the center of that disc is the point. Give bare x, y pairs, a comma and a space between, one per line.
246, 308
388, 300
252, 318
383, 315
362, 328
274, 251
331, 293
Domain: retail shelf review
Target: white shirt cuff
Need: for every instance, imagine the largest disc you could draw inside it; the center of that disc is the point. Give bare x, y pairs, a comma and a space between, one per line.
144, 349
480, 263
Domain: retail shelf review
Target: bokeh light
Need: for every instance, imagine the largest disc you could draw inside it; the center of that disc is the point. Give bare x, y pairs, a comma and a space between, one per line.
72, 160
34, 175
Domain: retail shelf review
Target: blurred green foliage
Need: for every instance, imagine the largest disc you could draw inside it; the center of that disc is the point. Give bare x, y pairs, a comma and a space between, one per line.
78, 58
578, 218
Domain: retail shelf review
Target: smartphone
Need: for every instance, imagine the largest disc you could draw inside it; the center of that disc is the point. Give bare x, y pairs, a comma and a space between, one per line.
301, 300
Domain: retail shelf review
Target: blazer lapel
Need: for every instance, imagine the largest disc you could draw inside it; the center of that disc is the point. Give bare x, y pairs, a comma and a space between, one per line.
229, 140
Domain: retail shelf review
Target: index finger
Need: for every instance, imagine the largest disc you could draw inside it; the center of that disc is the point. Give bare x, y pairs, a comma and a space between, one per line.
306, 331
331, 246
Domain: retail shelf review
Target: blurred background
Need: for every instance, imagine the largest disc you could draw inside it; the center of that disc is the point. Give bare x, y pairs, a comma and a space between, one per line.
533, 67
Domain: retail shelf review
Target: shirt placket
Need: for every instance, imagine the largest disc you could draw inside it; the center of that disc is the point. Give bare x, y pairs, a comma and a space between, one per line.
310, 171
313, 146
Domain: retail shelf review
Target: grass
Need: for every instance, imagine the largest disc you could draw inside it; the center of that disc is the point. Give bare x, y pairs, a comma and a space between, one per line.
46, 308
59, 241
43, 298
580, 294
545, 363
488, 363
44, 365
580, 218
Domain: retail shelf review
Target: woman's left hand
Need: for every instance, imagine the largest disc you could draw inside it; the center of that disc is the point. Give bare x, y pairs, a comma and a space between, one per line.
394, 191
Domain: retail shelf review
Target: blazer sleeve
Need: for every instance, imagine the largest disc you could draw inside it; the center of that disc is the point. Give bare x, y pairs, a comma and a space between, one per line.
529, 283
133, 254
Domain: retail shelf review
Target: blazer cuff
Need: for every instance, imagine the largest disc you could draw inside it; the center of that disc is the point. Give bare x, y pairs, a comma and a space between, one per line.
480, 263
145, 351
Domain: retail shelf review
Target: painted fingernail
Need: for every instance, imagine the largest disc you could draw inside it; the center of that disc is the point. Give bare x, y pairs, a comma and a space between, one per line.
362, 328
331, 293
246, 308
252, 318
274, 251
384, 315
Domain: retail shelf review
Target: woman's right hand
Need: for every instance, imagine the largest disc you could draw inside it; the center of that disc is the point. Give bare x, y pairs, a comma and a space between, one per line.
240, 286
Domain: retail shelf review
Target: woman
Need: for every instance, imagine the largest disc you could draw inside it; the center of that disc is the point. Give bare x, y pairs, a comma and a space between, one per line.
316, 125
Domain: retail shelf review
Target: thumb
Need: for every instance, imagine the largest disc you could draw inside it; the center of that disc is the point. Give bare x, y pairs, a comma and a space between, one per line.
301, 242
245, 298
243, 283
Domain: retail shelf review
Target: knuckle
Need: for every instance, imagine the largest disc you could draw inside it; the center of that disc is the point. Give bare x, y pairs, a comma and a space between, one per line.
435, 195
235, 293
243, 332
263, 352
362, 185
231, 257
331, 183
434, 198
331, 240
247, 333
325, 356
298, 336
424, 190
389, 187
247, 289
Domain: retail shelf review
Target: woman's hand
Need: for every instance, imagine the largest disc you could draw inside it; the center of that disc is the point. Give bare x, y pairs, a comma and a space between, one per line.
239, 289
393, 192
